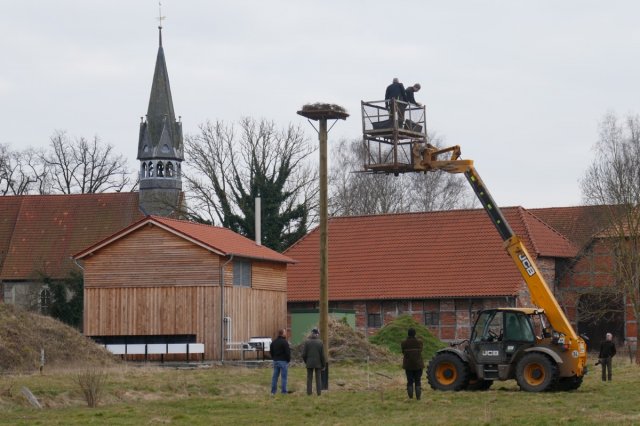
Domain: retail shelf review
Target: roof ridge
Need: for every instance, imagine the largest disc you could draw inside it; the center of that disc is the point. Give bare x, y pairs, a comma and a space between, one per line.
449, 211
191, 223
25, 196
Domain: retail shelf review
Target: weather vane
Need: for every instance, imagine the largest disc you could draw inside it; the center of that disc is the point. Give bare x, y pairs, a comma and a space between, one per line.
160, 17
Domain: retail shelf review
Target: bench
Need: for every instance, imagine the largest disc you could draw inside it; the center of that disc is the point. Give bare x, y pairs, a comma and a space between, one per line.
157, 349
241, 347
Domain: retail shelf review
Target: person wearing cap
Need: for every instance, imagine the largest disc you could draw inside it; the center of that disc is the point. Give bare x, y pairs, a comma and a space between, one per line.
313, 357
281, 356
607, 351
411, 90
412, 363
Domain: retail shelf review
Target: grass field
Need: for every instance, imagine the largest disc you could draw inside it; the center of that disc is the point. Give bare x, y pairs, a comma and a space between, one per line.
358, 395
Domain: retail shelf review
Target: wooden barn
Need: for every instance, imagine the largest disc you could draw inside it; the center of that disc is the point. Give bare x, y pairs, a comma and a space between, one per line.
164, 283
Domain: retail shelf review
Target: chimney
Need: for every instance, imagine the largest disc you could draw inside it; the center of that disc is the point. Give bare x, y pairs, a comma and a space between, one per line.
258, 215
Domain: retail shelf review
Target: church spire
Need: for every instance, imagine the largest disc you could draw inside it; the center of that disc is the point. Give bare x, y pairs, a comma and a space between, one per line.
160, 143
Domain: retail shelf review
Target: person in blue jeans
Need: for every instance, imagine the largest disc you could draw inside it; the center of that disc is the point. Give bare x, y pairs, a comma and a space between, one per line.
281, 356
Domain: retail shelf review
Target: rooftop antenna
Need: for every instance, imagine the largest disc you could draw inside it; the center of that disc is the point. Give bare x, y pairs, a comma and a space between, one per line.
160, 19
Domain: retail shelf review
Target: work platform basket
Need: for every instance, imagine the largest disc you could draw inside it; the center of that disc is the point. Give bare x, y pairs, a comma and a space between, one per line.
389, 131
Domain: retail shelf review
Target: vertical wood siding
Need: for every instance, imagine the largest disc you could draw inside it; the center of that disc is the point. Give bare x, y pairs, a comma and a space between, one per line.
152, 282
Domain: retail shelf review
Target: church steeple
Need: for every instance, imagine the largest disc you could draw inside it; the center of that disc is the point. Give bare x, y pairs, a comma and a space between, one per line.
160, 145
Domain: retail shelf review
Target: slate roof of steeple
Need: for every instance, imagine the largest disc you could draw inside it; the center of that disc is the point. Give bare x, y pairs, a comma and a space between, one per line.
161, 127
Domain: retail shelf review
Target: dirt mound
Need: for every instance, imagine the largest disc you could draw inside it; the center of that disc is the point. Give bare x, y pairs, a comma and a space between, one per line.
23, 333
347, 344
392, 334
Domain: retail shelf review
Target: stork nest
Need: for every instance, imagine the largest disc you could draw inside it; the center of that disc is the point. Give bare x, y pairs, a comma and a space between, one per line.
319, 106
322, 111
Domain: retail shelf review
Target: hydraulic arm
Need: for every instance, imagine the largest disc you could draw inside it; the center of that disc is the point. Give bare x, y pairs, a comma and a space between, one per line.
428, 158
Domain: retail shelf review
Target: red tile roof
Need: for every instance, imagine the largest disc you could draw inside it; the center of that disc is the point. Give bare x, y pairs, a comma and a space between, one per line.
38, 233
579, 224
419, 255
219, 240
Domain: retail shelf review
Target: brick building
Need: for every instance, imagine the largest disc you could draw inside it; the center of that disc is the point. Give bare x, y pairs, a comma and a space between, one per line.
585, 283
439, 267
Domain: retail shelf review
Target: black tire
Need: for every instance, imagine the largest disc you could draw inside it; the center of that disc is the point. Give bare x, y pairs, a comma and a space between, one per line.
476, 384
447, 372
536, 372
567, 384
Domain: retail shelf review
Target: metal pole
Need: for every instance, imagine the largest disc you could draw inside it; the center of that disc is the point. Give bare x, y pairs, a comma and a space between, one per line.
324, 258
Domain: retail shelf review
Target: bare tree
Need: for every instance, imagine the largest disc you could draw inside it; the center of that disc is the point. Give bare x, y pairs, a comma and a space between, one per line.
354, 192
83, 166
22, 172
613, 180
228, 170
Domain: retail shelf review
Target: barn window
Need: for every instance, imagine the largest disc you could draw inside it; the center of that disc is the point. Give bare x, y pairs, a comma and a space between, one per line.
242, 273
431, 318
374, 320
45, 300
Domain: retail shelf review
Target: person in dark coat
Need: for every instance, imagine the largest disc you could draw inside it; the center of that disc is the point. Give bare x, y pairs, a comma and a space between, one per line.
313, 357
396, 91
412, 363
281, 356
607, 351
411, 90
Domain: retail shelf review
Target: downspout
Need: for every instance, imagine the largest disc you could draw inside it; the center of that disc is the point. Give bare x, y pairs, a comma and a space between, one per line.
83, 302
222, 307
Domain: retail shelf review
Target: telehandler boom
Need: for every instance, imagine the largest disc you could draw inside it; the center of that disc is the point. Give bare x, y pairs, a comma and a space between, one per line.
504, 343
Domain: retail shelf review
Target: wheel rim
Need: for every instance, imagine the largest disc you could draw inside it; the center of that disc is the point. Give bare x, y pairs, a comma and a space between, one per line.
534, 374
446, 373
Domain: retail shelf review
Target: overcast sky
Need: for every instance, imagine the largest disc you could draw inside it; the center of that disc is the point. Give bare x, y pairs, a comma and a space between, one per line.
520, 85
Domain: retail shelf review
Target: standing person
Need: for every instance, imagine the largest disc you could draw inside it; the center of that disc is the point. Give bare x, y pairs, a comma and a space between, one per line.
412, 362
411, 90
313, 357
607, 351
396, 91
281, 356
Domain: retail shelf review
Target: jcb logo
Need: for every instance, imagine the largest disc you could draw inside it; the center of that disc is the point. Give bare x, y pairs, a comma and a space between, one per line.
490, 353
526, 263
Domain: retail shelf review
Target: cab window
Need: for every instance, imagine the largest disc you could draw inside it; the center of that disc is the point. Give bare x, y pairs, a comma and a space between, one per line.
518, 327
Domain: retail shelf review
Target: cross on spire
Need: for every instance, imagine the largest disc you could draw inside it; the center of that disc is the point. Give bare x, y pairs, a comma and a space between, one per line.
160, 17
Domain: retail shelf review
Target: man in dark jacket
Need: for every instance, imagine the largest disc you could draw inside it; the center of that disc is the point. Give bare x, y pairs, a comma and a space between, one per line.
411, 90
313, 357
396, 91
607, 351
281, 356
412, 362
